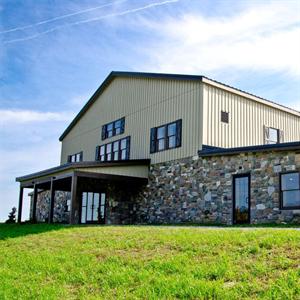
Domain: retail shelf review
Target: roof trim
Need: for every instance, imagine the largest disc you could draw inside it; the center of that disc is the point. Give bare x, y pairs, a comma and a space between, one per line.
86, 164
200, 78
214, 151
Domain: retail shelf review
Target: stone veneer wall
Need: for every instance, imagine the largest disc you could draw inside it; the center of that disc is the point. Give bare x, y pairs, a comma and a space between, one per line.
199, 190
60, 215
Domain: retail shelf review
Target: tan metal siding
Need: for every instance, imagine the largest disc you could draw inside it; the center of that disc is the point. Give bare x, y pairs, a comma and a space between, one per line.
145, 103
246, 120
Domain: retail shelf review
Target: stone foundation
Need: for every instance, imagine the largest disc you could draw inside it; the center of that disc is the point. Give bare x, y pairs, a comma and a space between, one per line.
194, 190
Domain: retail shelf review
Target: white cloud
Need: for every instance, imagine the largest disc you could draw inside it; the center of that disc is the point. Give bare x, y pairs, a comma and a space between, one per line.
261, 38
28, 116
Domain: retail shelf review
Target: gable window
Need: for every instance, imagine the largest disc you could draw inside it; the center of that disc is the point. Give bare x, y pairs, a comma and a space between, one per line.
166, 137
114, 128
290, 190
77, 157
118, 150
272, 135
224, 117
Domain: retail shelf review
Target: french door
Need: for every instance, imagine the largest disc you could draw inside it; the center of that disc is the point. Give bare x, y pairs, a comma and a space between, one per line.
241, 199
93, 208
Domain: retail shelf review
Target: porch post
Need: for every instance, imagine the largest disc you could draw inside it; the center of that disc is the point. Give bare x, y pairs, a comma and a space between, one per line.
74, 206
51, 204
20, 204
34, 203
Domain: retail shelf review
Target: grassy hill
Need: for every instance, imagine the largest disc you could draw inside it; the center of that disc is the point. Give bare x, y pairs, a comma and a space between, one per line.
145, 262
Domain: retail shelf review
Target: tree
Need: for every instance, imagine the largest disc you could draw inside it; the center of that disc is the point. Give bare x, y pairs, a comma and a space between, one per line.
12, 216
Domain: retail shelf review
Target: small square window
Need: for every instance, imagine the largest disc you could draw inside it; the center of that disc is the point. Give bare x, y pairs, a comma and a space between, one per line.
272, 135
224, 117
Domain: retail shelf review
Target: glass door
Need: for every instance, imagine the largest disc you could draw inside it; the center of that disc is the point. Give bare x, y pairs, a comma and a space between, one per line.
93, 208
102, 208
241, 199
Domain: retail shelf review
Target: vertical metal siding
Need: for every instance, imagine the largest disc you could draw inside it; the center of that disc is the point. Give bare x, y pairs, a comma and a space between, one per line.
246, 120
145, 103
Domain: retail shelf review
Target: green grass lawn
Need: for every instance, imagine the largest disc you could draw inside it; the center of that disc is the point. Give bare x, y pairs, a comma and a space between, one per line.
145, 262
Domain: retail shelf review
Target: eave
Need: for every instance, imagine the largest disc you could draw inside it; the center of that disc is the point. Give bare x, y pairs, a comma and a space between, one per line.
208, 151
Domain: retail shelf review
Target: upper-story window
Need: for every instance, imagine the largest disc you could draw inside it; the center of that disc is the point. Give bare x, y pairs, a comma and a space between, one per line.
273, 135
166, 137
114, 128
77, 157
290, 190
117, 150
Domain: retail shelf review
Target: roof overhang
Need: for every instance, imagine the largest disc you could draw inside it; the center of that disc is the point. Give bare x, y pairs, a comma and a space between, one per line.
165, 76
209, 151
127, 169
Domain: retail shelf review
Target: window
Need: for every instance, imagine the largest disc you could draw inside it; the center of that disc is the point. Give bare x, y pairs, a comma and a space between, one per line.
108, 152
272, 135
124, 144
109, 130
77, 157
290, 190
161, 138
114, 128
118, 150
165, 137
102, 153
224, 117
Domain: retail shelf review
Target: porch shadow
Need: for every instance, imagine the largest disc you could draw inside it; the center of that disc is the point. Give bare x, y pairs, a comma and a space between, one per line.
17, 230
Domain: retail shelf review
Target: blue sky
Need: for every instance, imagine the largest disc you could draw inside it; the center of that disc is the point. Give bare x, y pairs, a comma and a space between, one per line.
55, 53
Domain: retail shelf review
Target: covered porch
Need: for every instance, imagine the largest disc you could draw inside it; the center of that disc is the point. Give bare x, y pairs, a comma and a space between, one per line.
94, 192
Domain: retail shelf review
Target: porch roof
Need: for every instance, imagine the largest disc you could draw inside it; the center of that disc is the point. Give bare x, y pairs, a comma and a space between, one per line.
216, 151
137, 168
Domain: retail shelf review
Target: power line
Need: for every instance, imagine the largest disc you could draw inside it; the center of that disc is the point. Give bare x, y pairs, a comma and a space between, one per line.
60, 17
129, 11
